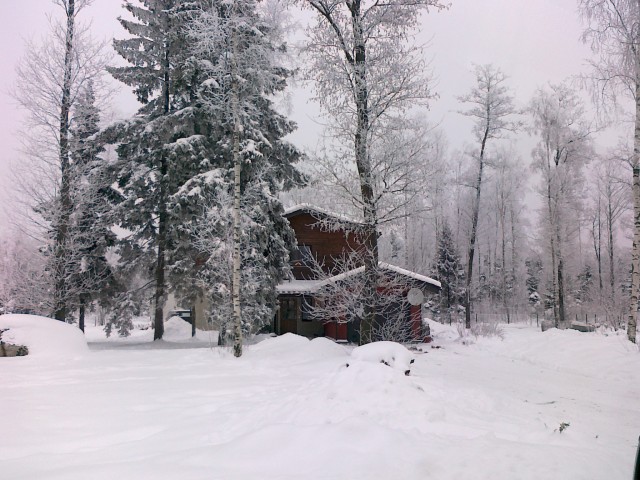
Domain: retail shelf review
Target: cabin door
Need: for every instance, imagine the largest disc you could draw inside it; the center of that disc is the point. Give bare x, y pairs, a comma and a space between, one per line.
289, 315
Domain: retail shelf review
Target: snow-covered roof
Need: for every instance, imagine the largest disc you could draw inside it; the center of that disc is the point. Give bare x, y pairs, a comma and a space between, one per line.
408, 273
319, 212
311, 286
298, 286
386, 266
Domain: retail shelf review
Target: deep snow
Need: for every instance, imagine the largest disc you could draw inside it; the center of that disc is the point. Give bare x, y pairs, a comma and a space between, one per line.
290, 409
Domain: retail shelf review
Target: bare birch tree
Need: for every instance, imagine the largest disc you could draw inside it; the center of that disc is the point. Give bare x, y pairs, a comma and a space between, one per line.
613, 30
51, 76
490, 106
365, 72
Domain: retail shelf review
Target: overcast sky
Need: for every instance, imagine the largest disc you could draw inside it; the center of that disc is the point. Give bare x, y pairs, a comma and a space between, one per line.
533, 42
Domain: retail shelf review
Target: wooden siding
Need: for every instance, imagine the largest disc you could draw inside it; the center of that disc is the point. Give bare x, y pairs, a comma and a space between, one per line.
325, 246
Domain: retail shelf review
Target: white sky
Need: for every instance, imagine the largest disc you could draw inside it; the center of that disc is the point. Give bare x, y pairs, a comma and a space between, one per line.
533, 42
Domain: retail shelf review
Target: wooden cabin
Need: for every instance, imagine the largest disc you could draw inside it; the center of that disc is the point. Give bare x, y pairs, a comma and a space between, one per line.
319, 266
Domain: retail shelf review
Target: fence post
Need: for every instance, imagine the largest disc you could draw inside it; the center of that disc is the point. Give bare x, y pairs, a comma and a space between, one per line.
476, 318
537, 323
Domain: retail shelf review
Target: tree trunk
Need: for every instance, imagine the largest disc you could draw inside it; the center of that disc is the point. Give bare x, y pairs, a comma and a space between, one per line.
561, 309
474, 228
635, 252
83, 301
505, 297
158, 319
597, 244
612, 278
62, 227
237, 171
163, 218
554, 271
363, 164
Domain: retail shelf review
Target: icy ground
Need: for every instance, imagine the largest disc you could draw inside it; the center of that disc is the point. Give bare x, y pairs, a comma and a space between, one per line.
290, 409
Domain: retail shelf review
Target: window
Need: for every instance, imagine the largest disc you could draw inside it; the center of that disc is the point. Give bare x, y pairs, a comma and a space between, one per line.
303, 254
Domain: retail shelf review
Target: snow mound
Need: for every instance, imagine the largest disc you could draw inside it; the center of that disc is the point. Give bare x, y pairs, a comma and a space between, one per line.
295, 349
322, 347
440, 331
281, 344
45, 337
177, 329
390, 353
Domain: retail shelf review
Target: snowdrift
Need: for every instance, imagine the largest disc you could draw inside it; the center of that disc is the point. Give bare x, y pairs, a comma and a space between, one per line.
391, 354
45, 337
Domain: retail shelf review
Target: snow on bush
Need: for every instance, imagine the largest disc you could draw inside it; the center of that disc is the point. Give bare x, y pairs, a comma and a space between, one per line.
390, 353
44, 337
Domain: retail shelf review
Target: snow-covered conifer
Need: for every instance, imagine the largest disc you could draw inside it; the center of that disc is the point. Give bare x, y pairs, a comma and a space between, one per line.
236, 71
449, 270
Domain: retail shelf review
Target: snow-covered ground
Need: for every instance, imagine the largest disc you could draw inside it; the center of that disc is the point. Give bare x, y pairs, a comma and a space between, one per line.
290, 409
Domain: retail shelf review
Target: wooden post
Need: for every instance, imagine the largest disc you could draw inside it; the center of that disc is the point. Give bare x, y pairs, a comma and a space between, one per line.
193, 321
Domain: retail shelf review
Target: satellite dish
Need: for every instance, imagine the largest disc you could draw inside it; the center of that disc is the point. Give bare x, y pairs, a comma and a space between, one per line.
415, 296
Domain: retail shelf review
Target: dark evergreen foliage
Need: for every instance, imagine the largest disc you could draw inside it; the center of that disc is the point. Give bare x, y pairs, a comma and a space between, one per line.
449, 270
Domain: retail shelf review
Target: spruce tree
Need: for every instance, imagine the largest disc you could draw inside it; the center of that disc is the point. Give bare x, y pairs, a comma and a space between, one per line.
90, 234
449, 270
158, 149
235, 68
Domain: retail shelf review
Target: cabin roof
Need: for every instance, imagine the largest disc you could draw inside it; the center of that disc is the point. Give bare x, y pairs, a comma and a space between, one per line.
300, 287
321, 214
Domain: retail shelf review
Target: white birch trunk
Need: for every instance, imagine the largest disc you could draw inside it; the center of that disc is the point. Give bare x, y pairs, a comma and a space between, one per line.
62, 226
237, 170
635, 252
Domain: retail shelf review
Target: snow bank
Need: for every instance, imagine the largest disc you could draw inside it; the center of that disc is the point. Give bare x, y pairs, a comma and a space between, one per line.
43, 336
295, 349
177, 329
389, 353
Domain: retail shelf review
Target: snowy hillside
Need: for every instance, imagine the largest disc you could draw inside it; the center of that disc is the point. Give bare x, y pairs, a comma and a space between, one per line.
291, 409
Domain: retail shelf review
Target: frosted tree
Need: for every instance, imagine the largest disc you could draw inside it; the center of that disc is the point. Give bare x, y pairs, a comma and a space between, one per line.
366, 73
90, 236
449, 271
613, 30
158, 149
491, 107
610, 202
237, 54
506, 202
265, 241
51, 76
563, 148
24, 286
